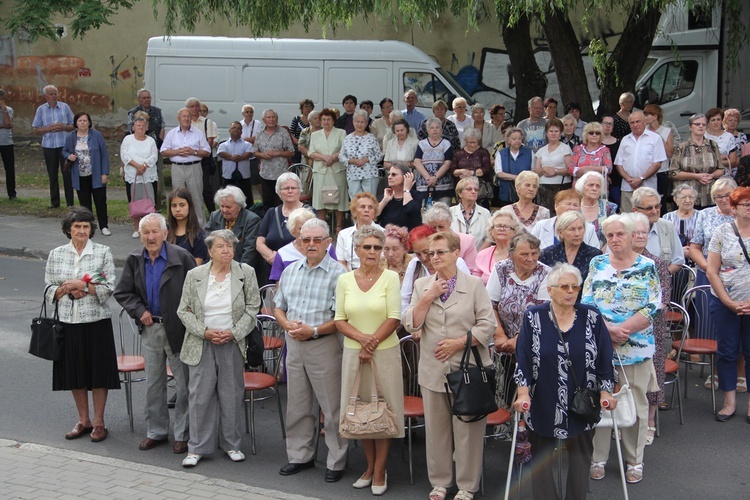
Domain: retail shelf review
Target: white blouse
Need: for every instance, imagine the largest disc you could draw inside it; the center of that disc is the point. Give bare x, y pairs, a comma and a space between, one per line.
218, 305
143, 152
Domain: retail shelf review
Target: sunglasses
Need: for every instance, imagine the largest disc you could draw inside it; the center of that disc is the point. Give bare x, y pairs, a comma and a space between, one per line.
318, 240
567, 287
439, 253
377, 248
595, 133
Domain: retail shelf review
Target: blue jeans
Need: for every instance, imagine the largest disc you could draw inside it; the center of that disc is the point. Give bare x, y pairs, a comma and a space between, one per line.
732, 334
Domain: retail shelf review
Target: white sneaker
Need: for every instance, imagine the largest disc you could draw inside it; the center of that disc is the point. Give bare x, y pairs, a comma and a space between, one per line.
136, 234
106, 231
191, 460
236, 456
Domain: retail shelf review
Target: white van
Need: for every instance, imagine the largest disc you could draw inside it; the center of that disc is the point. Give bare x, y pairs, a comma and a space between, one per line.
227, 73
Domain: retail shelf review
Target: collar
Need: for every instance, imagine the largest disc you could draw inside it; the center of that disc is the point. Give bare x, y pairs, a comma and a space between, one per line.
87, 250
162, 252
324, 264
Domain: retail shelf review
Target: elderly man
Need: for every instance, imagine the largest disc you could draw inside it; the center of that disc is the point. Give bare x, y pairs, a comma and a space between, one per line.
533, 126
208, 165
305, 303
346, 120
638, 159
149, 290
186, 146
236, 154
250, 129
155, 131
412, 115
52, 120
274, 147
663, 240
6, 145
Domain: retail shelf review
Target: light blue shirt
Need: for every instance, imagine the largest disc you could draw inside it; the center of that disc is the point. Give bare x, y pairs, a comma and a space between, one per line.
414, 118
46, 115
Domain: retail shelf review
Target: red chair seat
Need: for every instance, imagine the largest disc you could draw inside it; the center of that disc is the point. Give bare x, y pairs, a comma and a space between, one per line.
270, 343
671, 366
697, 346
256, 381
673, 316
498, 417
413, 407
130, 364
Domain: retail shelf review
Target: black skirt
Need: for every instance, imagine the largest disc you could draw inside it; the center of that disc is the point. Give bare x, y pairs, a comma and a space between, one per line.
89, 358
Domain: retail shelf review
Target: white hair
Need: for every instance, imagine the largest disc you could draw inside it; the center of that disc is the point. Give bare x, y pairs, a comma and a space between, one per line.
153, 217
231, 191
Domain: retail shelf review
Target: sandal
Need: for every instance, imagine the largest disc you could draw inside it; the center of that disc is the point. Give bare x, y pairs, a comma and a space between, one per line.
464, 495
597, 470
438, 493
741, 384
650, 435
634, 474
707, 383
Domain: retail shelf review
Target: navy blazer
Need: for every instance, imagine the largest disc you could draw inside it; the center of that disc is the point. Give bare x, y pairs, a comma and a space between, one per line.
99, 157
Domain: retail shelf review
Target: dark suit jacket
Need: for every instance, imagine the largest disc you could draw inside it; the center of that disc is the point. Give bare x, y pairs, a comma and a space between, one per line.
245, 229
131, 294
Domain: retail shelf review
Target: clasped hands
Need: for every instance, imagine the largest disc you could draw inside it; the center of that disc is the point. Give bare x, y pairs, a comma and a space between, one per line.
369, 345
299, 330
73, 288
218, 337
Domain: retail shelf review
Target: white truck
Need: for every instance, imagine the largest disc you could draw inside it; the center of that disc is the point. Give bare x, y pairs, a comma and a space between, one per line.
227, 73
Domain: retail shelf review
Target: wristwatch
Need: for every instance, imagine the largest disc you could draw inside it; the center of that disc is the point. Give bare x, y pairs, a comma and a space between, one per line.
315, 334
641, 178
86, 288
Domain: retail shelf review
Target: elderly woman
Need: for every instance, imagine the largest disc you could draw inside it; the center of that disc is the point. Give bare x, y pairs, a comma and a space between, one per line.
443, 309
697, 161
219, 303
488, 134
467, 216
139, 154
432, 161
594, 206
86, 149
396, 250
732, 118
591, 155
510, 161
273, 234
551, 164
500, 229
380, 126
685, 217
624, 278
474, 161
569, 136
363, 208
361, 153
303, 143
459, 117
329, 173
728, 271
80, 276
525, 212
368, 311
621, 126
233, 215
440, 218
400, 149
292, 252
398, 206
570, 249
565, 201
727, 146
450, 132
300, 123
184, 229
546, 375
663, 240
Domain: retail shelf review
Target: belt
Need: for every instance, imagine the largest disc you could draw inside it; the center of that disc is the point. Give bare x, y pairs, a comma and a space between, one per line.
158, 319
186, 163
311, 339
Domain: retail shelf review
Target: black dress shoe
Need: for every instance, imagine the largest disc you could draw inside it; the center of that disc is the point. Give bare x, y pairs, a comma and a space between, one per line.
334, 476
53, 206
290, 468
724, 418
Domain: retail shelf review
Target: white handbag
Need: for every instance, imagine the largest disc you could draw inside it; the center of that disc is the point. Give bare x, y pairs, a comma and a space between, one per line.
624, 412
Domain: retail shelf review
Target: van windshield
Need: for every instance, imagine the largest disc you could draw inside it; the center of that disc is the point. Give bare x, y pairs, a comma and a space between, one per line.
461, 92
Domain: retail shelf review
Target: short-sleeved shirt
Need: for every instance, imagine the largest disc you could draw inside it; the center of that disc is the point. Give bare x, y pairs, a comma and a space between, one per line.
637, 155
238, 147
288, 255
554, 159
511, 296
279, 140
198, 249
47, 115
705, 225
269, 229
192, 138
155, 122
433, 158
534, 134
414, 118
361, 146
734, 269
6, 134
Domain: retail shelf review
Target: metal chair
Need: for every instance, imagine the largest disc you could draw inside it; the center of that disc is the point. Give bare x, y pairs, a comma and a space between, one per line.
127, 364
413, 404
678, 323
702, 340
305, 174
499, 417
256, 381
267, 294
682, 281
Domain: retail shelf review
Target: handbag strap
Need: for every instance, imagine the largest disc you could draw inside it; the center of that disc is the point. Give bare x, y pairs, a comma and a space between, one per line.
623, 371
43, 309
135, 184
357, 378
466, 357
569, 361
742, 243
278, 221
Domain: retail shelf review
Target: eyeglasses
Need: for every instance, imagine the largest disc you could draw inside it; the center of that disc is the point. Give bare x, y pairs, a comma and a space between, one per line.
439, 253
743, 205
503, 227
640, 233
608, 124
650, 207
459, 107
472, 188
686, 197
699, 124
317, 240
377, 248
393, 174
718, 197
289, 188
595, 132
567, 287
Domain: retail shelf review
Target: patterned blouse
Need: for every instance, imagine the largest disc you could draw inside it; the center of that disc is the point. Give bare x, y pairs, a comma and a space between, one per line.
556, 253
542, 367
734, 270
582, 157
571, 141
620, 295
433, 158
511, 297
361, 146
84, 156
606, 208
685, 227
705, 225
704, 159
478, 160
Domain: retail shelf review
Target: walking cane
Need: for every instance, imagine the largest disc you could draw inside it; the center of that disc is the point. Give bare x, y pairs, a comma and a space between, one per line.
513, 452
616, 430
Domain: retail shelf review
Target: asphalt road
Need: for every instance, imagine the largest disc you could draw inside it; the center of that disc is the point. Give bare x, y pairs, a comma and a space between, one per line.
701, 459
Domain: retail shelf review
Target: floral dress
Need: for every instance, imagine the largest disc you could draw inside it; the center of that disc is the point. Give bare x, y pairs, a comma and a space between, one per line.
661, 330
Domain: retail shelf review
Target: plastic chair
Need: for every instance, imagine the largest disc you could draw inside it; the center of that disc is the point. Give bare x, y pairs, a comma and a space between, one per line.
127, 364
413, 404
702, 340
256, 381
305, 174
678, 323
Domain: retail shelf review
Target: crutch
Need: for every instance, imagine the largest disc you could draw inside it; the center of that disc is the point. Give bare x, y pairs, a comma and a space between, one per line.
619, 453
513, 453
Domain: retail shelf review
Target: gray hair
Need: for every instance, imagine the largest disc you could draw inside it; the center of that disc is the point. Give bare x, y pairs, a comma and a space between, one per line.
581, 183
513, 130
312, 115
496, 215
316, 223
368, 232
566, 219
396, 114
224, 234
362, 113
459, 100
696, 116
140, 91
637, 217
559, 270
644, 192
302, 214
287, 177
472, 133
682, 187
181, 110
153, 217
569, 117
49, 87
619, 219
192, 100
525, 176
269, 110
624, 96
432, 120
523, 237
477, 106
723, 183
437, 212
247, 106
231, 191
535, 99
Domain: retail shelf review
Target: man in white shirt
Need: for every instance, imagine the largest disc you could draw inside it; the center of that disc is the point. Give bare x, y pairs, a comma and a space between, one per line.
208, 166
638, 159
236, 154
250, 128
533, 126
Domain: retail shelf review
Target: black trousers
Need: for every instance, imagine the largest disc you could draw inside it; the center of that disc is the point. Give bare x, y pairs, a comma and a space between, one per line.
87, 192
129, 189
9, 162
580, 449
54, 160
208, 185
245, 185
270, 198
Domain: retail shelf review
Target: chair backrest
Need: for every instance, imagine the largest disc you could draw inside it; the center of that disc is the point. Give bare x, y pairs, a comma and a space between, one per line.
267, 294
696, 302
305, 174
410, 361
270, 328
682, 280
678, 323
130, 340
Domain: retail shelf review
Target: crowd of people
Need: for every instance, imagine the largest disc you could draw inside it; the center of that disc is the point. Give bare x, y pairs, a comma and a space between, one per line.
550, 229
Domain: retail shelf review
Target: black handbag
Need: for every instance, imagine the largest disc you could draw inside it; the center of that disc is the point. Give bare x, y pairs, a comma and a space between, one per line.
255, 348
586, 402
471, 389
47, 333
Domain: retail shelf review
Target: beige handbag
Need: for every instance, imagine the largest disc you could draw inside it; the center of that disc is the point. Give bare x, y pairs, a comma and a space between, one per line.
368, 420
330, 195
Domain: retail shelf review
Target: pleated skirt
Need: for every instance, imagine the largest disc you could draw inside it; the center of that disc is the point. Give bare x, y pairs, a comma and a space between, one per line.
89, 358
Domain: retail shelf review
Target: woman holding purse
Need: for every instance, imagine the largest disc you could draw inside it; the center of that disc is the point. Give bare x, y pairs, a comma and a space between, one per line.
445, 307
138, 153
